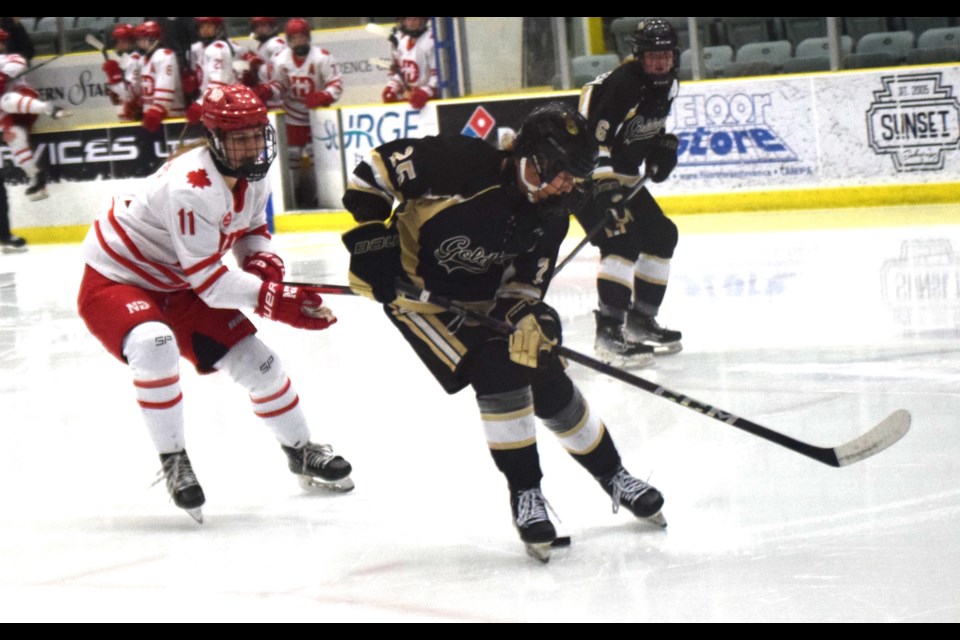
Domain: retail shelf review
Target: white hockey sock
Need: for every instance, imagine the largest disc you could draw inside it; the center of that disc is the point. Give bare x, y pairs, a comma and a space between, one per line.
253, 365
18, 140
508, 420
152, 353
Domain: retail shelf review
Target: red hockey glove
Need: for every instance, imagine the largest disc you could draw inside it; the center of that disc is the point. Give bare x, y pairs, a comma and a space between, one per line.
189, 83
194, 113
266, 266
318, 99
390, 96
264, 92
153, 118
113, 71
418, 98
300, 307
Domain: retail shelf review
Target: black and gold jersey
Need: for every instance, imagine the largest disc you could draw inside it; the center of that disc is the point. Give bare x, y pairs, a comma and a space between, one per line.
467, 231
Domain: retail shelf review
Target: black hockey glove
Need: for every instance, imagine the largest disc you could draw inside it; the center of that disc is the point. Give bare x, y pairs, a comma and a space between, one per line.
611, 205
662, 159
374, 260
536, 332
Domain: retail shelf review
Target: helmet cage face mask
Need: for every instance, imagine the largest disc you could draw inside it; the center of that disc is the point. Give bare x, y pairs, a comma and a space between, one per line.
413, 33
252, 169
237, 108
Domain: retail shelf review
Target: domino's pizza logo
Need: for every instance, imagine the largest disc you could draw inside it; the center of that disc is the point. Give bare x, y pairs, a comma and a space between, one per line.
479, 125
915, 119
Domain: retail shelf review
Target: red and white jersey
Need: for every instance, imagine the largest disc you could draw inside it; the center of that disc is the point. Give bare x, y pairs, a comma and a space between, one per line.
415, 59
267, 51
13, 64
173, 233
160, 82
295, 77
214, 63
131, 64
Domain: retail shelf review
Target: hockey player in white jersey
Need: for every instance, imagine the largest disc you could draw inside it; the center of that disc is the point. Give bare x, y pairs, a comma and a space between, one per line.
155, 288
19, 108
305, 77
160, 85
269, 46
413, 71
214, 58
123, 75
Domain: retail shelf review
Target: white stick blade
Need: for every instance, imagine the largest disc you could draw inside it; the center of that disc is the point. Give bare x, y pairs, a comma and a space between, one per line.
94, 42
379, 29
894, 427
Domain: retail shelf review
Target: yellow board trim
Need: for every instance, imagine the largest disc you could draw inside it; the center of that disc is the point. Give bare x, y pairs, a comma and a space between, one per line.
595, 42
785, 210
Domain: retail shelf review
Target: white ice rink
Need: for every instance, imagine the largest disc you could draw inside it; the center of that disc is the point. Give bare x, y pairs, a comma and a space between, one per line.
815, 332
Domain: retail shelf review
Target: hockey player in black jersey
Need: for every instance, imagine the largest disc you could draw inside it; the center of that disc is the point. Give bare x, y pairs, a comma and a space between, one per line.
626, 110
483, 227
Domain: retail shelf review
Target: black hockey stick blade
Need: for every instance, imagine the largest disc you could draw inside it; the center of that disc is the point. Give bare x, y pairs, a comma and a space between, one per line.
870, 443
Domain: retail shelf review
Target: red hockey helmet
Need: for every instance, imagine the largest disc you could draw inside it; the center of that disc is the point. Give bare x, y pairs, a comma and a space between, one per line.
237, 108
214, 21
123, 31
256, 22
3, 35
149, 29
297, 25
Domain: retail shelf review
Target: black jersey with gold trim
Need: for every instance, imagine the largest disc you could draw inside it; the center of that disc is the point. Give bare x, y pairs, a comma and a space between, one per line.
466, 230
626, 112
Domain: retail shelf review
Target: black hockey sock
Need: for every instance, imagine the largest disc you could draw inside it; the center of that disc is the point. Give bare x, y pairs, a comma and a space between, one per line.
520, 466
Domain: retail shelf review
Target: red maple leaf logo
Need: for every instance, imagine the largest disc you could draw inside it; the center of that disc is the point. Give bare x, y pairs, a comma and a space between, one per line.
199, 178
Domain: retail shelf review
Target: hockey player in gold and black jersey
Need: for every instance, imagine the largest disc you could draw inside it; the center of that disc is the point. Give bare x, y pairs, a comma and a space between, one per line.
627, 110
483, 227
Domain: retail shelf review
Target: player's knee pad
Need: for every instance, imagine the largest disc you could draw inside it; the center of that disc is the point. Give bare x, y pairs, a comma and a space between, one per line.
254, 366
659, 237
552, 389
151, 351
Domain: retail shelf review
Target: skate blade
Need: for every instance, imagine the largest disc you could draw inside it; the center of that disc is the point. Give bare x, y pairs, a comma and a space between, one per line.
667, 349
39, 195
621, 362
196, 514
658, 519
22, 249
316, 485
539, 550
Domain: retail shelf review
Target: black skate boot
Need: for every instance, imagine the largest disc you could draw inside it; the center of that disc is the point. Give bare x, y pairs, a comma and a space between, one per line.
38, 187
641, 498
533, 523
613, 348
644, 329
317, 466
13, 244
182, 483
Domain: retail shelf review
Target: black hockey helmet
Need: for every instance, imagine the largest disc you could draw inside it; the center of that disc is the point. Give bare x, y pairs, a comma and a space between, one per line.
555, 138
413, 33
656, 34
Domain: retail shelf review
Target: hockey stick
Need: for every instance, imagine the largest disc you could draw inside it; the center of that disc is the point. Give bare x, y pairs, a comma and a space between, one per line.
333, 289
595, 229
875, 440
35, 67
94, 42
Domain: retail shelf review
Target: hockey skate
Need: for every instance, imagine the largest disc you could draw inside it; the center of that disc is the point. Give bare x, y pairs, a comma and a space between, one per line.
533, 523
13, 244
38, 187
642, 499
613, 348
317, 467
182, 483
644, 329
